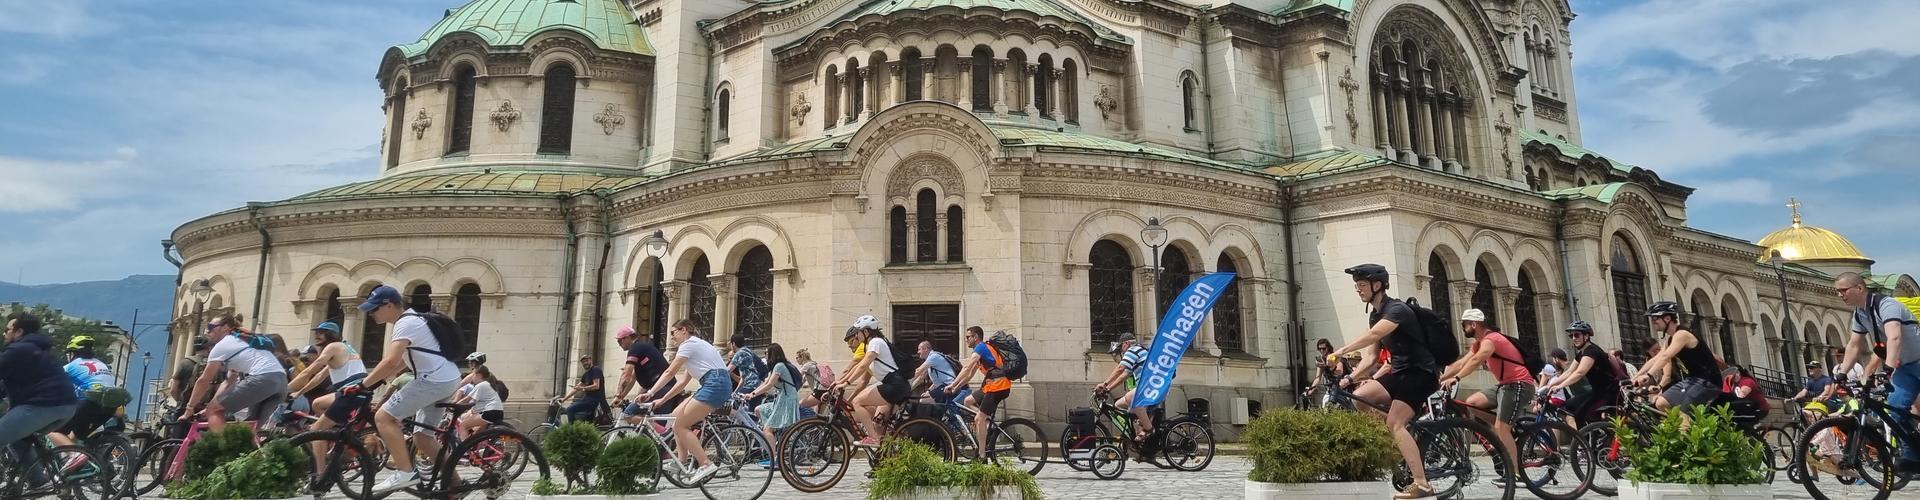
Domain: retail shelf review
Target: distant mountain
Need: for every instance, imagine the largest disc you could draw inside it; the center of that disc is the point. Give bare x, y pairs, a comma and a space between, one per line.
110, 301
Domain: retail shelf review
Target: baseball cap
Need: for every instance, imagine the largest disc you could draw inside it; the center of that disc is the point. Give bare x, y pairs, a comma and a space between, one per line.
1473, 315
328, 326
1113, 347
380, 296
625, 331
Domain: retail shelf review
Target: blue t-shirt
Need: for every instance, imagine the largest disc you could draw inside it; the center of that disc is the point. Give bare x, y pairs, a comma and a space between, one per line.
986, 355
939, 370
593, 375
1818, 385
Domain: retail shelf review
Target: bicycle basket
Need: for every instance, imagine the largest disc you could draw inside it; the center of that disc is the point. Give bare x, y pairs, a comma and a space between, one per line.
1081, 418
923, 410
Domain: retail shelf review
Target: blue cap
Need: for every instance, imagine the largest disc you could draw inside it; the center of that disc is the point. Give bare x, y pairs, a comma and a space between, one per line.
380, 296
328, 326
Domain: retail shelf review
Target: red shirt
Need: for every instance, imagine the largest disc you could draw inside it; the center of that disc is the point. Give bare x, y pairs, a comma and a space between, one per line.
1505, 362
1754, 395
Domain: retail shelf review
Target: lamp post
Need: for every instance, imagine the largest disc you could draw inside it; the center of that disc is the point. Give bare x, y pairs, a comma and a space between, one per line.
1155, 236
201, 289
1786, 310
146, 361
656, 246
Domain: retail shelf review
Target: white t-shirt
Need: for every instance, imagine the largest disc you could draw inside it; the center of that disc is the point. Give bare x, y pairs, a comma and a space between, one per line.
701, 357
485, 398
426, 366
882, 354
239, 357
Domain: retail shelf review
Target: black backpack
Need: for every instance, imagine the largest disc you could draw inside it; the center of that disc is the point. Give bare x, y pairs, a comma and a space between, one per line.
446, 332
1438, 334
1013, 359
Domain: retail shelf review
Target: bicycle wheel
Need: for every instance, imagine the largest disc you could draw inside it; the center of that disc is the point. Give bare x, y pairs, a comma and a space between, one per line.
1021, 440
75, 473
1187, 445
1839, 448
1782, 439
1107, 461
920, 430
738, 450
539, 432
116, 449
152, 470
494, 477
1448, 451
1609, 462
1553, 462
343, 462
1077, 445
813, 455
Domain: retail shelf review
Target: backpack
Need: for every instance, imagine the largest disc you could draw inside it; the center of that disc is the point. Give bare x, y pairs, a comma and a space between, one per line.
1437, 334
1013, 359
1619, 368
446, 332
261, 342
1532, 371
952, 364
825, 377
759, 365
791, 378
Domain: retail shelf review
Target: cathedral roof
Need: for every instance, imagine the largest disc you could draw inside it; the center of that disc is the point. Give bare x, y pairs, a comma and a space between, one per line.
607, 23
1602, 192
1326, 162
1803, 242
1043, 8
492, 182
1302, 5
1569, 149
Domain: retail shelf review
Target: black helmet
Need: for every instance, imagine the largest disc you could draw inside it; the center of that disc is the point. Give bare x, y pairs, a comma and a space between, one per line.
1664, 308
1368, 272
199, 343
1580, 326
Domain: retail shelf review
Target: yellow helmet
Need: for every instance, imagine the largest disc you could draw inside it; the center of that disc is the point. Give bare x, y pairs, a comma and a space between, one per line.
1819, 407
79, 342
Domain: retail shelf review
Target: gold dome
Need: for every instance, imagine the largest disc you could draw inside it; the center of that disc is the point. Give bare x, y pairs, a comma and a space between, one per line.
1801, 242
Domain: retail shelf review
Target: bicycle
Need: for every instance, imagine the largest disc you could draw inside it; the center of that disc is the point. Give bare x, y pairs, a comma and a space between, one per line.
165, 462
68, 472
736, 449
1859, 442
1638, 413
602, 420
446, 476
1546, 443
1008, 437
1445, 454
1781, 438
822, 445
1183, 442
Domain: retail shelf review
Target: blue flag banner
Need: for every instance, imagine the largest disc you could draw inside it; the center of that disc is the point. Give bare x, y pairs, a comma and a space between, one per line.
1176, 333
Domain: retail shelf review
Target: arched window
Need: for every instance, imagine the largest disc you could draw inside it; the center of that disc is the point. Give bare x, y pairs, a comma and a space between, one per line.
753, 308
1019, 93
1630, 300
1697, 316
911, 75
897, 235
650, 311
1070, 91
1174, 274
1189, 101
1527, 317
1422, 99
1227, 322
466, 312
702, 297
1483, 292
724, 107
397, 124
831, 101
422, 298
1439, 287
373, 335
556, 112
926, 230
1730, 348
1042, 83
334, 312
982, 79
956, 230
461, 126
1109, 293
856, 90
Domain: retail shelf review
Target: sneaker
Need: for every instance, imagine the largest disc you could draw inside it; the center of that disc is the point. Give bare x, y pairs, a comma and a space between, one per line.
1414, 491
74, 463
397, 481
671, 466
766, 464
701, 475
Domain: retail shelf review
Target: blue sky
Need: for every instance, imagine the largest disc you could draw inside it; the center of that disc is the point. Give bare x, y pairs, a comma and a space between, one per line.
120, 120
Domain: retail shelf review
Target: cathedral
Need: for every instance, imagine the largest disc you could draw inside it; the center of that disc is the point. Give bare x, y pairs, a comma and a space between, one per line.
1058, 169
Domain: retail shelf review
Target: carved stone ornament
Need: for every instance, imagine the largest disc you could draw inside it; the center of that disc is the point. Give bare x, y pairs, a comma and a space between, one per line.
1353, 123
421, 123
1105, 102
505, 115
609, 118
800, 109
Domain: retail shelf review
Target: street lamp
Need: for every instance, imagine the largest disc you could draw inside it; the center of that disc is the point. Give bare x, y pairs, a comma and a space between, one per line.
146, 361
201, 289
1786, 309
1155, 236
656, 246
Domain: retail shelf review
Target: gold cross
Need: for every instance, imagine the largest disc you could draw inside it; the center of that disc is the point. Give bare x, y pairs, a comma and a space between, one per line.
1794, 205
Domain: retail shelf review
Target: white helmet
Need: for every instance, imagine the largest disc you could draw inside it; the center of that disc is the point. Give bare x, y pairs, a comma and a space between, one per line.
477, 358
866, 322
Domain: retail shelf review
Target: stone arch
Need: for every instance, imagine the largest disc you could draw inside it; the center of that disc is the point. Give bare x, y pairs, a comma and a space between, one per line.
1461, 20
452, 56
1486, 242
1534, 256
954, 129
314, 285
924, 170
1121, 226
1438, 235
1235, 240
684, 245
743, 233
473, 270
1496, 268
562, 44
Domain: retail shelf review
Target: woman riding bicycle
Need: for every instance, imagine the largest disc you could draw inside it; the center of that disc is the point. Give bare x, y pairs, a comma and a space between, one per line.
489, 408
883, 387
783, 380
702, 362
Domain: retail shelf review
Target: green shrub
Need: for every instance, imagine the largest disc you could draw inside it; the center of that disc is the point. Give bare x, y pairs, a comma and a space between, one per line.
625, 464
909, 465
573, 448
1311, 446
215, 448
273, 471
545, 486
1712, 450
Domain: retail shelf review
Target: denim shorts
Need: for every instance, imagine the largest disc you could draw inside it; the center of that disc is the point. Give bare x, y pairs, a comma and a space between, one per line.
716, 387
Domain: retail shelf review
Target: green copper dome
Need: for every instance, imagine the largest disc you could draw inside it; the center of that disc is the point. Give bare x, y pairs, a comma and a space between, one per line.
607, 23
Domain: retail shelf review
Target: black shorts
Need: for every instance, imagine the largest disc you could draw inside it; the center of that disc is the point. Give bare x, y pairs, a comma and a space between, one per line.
88, 417
495, 417
990, 401
1411, 386
897, 391
344, 405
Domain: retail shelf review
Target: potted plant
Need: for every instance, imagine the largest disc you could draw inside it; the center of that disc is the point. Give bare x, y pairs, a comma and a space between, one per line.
911, 471
1319, 454
1708, 459
273, 471
572, 448
628, 468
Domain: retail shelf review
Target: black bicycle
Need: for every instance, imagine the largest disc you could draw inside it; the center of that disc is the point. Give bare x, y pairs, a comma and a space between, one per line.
1855, 449
1183, 442
68, 472
1449, 447
489, 461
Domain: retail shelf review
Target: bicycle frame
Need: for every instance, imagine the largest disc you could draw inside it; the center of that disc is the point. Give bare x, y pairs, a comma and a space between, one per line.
178, 465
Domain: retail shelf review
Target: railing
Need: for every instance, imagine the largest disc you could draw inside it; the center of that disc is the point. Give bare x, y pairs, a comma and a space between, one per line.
1777, 383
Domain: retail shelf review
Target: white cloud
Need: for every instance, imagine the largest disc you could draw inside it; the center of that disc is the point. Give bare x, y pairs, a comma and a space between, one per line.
1722, 33
19, 69
34, 185
59, 19
1734, 191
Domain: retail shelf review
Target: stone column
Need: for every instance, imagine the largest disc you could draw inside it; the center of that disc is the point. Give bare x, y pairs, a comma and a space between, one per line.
1442, 127
866, 88
834, 101
1462, 297
897, 75
1000, 88
966, 83
725, 303
1403, 122
1026, 84
913, 233
845, 106
1463, 157
675, 292
928, 72
1426, 121
1147, 324
1059, 93
1506, 298
1380, 138
940, 237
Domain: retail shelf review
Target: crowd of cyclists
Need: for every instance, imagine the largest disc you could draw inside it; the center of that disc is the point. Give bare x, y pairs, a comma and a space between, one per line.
233, 372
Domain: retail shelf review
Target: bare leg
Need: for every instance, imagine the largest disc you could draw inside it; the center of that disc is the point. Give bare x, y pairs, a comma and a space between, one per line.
1398, 416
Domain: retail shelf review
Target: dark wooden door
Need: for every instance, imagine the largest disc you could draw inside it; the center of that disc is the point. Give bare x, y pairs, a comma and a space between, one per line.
939, 323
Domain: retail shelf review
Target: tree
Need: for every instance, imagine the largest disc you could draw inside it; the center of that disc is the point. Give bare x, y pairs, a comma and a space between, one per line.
63, 328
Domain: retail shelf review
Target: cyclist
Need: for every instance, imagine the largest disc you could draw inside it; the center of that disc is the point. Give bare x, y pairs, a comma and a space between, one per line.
1596, 368
1886, 320
883, 386
93, 382
1414, 373
744, 365
1820, 393
702, 362
938, 371
1743, 396
489, 407
1700, 382
1513, 385
1130, 357
342, 364
644, 366
262, 385
783, 381
435, 380
591, 389
37, 387
986, 360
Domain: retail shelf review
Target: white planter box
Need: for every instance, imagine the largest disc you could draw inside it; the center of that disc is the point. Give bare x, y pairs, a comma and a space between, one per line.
1000, 493
1320, 491
1668, 491
590, 497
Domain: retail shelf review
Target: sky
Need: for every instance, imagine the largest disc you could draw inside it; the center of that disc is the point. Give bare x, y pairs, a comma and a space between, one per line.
120, 120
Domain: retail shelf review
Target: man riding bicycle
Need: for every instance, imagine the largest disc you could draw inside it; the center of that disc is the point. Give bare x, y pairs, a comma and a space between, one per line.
1700, 382
644, 366
1414, 376
1886, 320
591, 389
1130, 358
1508, 399
883, 387
1820, 394
101, 396
414, 347
987, 361
1595, 367
263, 380
37, 387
